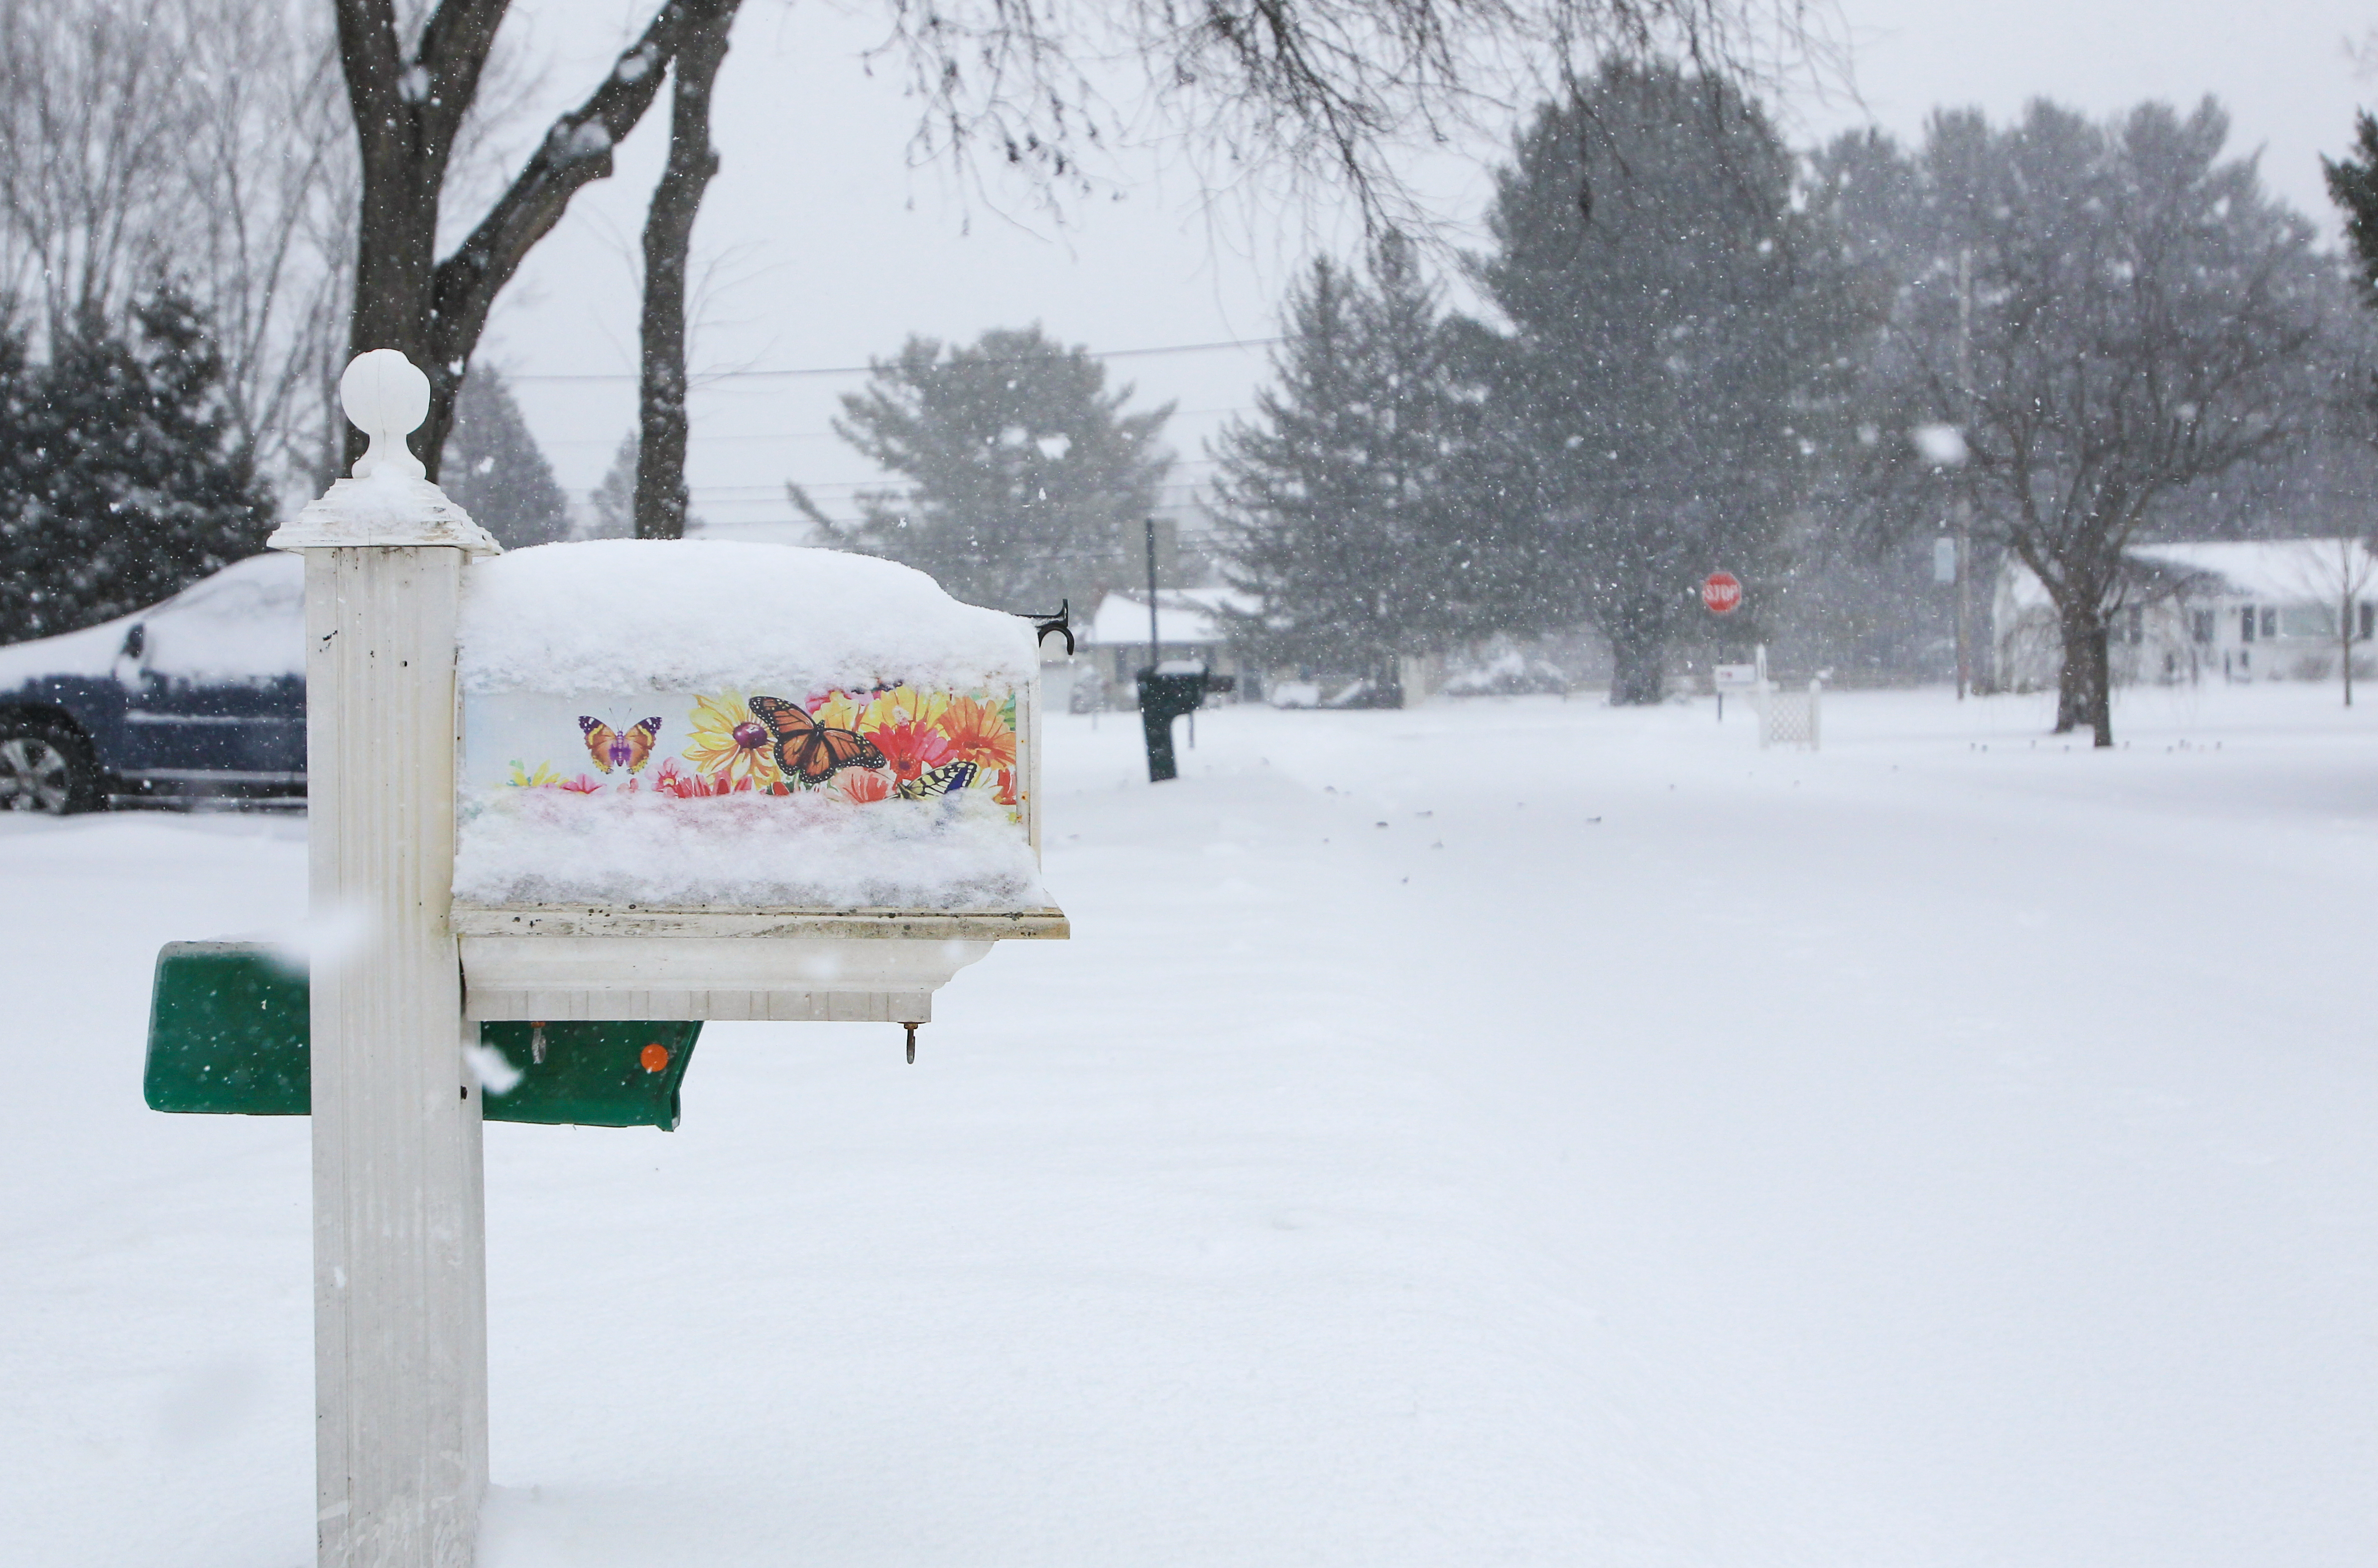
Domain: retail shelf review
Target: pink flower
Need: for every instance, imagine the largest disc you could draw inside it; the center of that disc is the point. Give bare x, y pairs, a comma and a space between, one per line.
865, 786
583, 784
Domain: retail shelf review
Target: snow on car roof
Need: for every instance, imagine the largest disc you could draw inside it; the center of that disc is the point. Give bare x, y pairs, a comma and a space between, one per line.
247, 622
256, 603
90, 652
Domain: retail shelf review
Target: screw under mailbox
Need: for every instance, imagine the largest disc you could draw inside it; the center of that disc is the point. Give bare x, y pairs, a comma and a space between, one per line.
912, 1029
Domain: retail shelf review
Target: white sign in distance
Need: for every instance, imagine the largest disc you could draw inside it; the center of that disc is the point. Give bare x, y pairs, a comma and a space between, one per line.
1735, 677
1944, 560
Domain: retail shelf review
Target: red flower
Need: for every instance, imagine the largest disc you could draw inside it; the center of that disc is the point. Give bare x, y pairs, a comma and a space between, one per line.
910, 748
694, 786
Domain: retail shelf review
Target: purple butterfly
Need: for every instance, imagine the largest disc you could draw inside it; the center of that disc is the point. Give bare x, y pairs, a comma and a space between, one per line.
629, 748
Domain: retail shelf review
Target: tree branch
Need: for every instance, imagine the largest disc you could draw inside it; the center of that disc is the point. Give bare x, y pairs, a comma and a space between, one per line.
661, 498
455, 43
575, 152
374, 59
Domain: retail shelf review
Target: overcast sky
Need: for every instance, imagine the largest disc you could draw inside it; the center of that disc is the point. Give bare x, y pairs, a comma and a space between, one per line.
820, 246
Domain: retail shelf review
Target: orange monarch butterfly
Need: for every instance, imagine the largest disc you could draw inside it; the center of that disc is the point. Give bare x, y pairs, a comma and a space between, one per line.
808, 750
610, 748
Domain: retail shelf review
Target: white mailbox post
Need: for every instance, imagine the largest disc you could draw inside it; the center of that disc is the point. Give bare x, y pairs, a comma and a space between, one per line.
399, 1248
616, 780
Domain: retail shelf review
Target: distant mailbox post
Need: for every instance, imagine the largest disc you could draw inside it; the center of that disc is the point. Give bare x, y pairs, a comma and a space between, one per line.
1741, 678
1166, 692
574, 801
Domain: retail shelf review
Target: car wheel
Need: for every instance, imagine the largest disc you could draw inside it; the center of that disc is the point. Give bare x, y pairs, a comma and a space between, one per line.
46, 768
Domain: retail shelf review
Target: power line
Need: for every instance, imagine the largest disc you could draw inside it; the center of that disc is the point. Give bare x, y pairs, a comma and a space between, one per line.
776, 487
830, 435
869, 369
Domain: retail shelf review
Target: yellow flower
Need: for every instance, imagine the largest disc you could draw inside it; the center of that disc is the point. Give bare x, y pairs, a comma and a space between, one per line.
838, 711
544, 778
902, 705
727, 743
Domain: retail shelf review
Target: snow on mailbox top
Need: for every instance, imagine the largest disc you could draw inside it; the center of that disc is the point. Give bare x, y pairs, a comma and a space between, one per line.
740, 726
627, 615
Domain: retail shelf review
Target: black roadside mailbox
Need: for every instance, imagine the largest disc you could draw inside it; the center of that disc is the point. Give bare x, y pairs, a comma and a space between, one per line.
1162, 699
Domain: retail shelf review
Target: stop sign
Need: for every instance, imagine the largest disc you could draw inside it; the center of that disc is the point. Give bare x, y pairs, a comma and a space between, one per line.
1721, 593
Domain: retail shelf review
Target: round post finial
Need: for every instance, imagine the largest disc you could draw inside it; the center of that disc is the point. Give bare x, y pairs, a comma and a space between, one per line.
390, 503
386, 397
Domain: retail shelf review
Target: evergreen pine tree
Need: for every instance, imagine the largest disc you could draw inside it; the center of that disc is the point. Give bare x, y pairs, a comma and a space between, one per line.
127, 486
2353, 186
494, 469
19, 392
1024, 472
1339, 504
614, 501
1668, 330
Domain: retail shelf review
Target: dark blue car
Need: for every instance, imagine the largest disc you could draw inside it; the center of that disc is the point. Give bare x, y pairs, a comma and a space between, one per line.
202, 695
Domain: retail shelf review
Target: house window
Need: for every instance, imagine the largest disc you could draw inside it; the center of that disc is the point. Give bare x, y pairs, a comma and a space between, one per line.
2369, 619
2304, 620
2199, 626
2246, 623
2270, 620
2134, 630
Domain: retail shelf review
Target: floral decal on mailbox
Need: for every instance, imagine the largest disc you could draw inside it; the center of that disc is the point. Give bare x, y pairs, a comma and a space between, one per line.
894, 743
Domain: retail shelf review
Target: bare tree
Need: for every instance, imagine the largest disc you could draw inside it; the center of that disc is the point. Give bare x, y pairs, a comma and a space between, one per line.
1319, 83
199, 143
2338, 572
202, 143
661, 496
2142, 318
410, 105
267, 163
1326, 89
92, 128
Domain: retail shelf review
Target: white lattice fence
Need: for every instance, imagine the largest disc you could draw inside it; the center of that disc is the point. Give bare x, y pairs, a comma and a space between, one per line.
1790, 718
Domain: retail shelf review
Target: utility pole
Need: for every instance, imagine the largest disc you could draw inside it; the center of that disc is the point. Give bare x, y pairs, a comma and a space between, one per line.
1162, 698
1964, 486
1154, 651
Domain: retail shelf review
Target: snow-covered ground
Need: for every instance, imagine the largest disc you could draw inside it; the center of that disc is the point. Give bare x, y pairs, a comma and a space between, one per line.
1520, 1132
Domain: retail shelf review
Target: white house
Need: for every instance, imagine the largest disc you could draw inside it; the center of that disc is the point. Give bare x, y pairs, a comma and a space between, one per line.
2230, 610
1112, 649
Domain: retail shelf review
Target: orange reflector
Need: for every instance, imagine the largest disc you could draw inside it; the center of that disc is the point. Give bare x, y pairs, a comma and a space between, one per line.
654, 1057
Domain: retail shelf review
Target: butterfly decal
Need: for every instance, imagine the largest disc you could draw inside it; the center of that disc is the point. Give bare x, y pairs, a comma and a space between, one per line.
629, 748
808, 750
949, 778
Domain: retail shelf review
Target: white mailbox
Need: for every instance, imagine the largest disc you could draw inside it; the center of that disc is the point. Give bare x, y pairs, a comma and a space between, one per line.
705, 780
